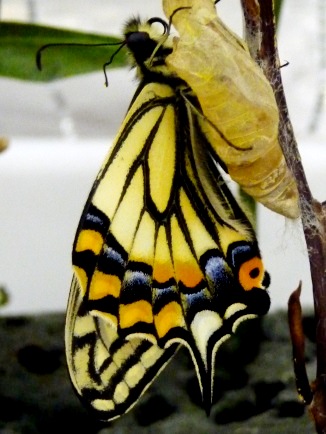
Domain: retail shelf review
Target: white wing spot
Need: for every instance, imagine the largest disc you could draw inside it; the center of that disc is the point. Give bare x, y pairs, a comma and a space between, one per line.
103, 404
234, 308
203, 326
121, 392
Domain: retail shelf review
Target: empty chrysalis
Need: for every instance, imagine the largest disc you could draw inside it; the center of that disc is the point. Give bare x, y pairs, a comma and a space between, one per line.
241, 117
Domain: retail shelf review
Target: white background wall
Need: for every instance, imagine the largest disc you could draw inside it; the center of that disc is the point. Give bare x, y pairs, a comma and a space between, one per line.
59, 134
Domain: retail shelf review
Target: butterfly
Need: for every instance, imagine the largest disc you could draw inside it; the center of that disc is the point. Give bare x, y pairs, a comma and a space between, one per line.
163, 255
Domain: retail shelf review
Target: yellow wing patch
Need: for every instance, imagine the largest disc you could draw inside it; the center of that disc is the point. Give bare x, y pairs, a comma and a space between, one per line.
131, 314
161, 161
103, 284
89, 240
170, 316
163, 267
186, 266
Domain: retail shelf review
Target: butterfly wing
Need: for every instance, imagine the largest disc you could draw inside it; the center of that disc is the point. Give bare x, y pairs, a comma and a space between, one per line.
163, 255
108, 372
111, 346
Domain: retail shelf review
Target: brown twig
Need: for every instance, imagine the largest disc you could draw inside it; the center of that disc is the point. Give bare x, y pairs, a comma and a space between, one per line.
298, 346
260, 33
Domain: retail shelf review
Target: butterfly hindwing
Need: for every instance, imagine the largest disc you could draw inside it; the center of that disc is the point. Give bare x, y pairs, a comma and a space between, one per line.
108, 372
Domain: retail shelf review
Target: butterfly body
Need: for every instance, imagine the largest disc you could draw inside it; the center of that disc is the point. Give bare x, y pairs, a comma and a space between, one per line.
163, 254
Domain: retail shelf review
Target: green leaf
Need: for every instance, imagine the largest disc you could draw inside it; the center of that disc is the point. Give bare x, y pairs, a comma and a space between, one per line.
19, 44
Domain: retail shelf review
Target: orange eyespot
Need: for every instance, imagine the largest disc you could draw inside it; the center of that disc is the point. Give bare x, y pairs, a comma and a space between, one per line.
251, 274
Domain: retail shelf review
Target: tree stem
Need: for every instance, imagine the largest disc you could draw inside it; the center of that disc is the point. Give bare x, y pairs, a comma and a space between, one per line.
260, 31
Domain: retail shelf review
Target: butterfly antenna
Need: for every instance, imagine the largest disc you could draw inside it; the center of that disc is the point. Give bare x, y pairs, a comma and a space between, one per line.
167, 30
70, 44
173, 13
108, 63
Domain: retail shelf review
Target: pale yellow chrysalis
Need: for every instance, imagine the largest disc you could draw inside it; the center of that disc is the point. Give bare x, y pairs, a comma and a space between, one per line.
236, 99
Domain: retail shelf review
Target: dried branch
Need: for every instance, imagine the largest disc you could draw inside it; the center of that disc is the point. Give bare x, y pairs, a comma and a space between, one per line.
298, 346
260, 34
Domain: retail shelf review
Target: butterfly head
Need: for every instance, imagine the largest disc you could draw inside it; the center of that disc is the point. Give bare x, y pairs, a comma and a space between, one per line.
149, 43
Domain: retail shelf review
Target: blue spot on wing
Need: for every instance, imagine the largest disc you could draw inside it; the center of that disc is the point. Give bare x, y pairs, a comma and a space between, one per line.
216, 271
